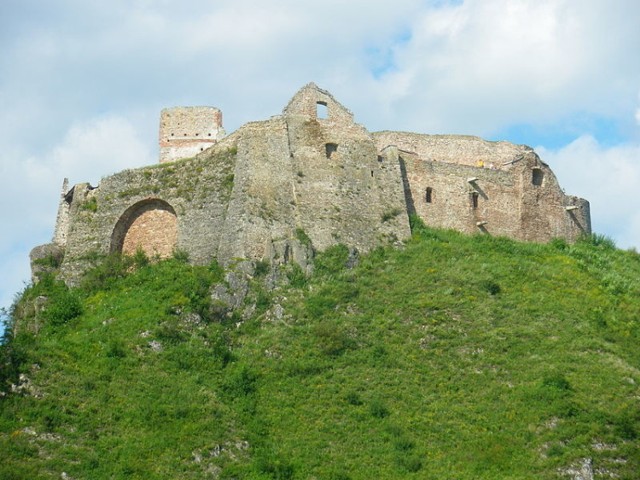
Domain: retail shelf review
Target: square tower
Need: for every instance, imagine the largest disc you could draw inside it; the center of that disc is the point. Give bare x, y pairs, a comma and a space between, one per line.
187, 131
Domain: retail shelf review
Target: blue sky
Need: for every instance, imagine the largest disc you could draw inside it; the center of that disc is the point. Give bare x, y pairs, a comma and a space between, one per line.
82, 83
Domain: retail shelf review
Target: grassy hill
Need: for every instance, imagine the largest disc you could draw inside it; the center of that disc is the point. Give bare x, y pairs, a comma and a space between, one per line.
452, 357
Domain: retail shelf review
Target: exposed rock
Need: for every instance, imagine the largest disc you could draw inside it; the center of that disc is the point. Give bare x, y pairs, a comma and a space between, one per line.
45, 258
582, 470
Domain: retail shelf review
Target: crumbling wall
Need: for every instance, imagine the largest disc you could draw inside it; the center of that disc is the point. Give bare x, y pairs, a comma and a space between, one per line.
196, 189
311, 175
475, 186
457, 149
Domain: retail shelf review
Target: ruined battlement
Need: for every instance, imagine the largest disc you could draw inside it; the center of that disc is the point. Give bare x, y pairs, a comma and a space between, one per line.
313, 170
457, 149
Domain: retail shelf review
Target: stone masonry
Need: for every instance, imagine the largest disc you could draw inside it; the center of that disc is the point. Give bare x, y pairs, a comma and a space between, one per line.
309, 175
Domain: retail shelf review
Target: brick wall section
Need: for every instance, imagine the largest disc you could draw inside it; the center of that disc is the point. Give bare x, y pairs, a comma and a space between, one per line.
151, 228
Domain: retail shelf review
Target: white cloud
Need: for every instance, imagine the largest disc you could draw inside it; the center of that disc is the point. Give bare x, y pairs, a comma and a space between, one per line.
481, 64
82, 83
608, 177
31, 187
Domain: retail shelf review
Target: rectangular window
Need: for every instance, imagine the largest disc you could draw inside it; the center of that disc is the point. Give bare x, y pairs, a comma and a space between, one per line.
537, 176
474, 199
429, 195
330, 149
322, 112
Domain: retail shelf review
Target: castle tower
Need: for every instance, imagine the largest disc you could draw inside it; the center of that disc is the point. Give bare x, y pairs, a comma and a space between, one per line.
187, 131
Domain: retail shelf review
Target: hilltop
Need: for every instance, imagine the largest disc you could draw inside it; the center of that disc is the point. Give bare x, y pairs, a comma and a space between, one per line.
453, 356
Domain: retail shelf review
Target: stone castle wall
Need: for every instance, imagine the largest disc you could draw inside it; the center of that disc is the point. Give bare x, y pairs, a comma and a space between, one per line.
310, 174
473, 185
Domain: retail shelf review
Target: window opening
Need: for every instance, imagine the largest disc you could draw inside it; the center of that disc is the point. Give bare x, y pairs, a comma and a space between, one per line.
330, 149
474, 199
429, 195
322, 111
537, 176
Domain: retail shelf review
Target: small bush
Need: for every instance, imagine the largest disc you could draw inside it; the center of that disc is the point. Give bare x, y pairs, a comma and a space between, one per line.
216, 271
242, 383
116, 349
410, 462
140, 258
49, 261
404, 444
262, 268
63, 305
354, 399
598, 240
297, 278
557, 381
276, 468
331, 339
378, 409
90, 205
180, 255
559, 244
332, 260
302, 237
63, 309
106, 272
491, 287
627, 425
386, 216
171, 333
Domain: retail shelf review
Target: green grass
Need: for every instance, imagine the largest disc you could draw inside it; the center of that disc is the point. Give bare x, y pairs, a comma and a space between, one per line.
454, 357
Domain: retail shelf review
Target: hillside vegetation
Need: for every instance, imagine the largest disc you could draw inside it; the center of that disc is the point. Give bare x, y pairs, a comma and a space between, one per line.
451, 357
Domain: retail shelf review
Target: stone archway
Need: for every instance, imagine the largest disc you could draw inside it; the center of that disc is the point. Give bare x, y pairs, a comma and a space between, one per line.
150, 225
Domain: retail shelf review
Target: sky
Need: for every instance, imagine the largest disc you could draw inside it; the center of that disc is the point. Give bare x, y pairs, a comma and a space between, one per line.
82, 83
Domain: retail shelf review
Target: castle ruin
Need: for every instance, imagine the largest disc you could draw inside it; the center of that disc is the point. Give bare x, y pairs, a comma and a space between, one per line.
306, 179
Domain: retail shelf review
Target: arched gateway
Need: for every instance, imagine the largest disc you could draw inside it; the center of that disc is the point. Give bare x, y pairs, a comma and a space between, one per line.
150, 225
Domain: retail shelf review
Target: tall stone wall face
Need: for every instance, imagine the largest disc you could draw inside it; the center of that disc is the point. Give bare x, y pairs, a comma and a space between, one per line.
187, 131
458, 201
261, 204
286, 182
343, 193
546, 212
509, 192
